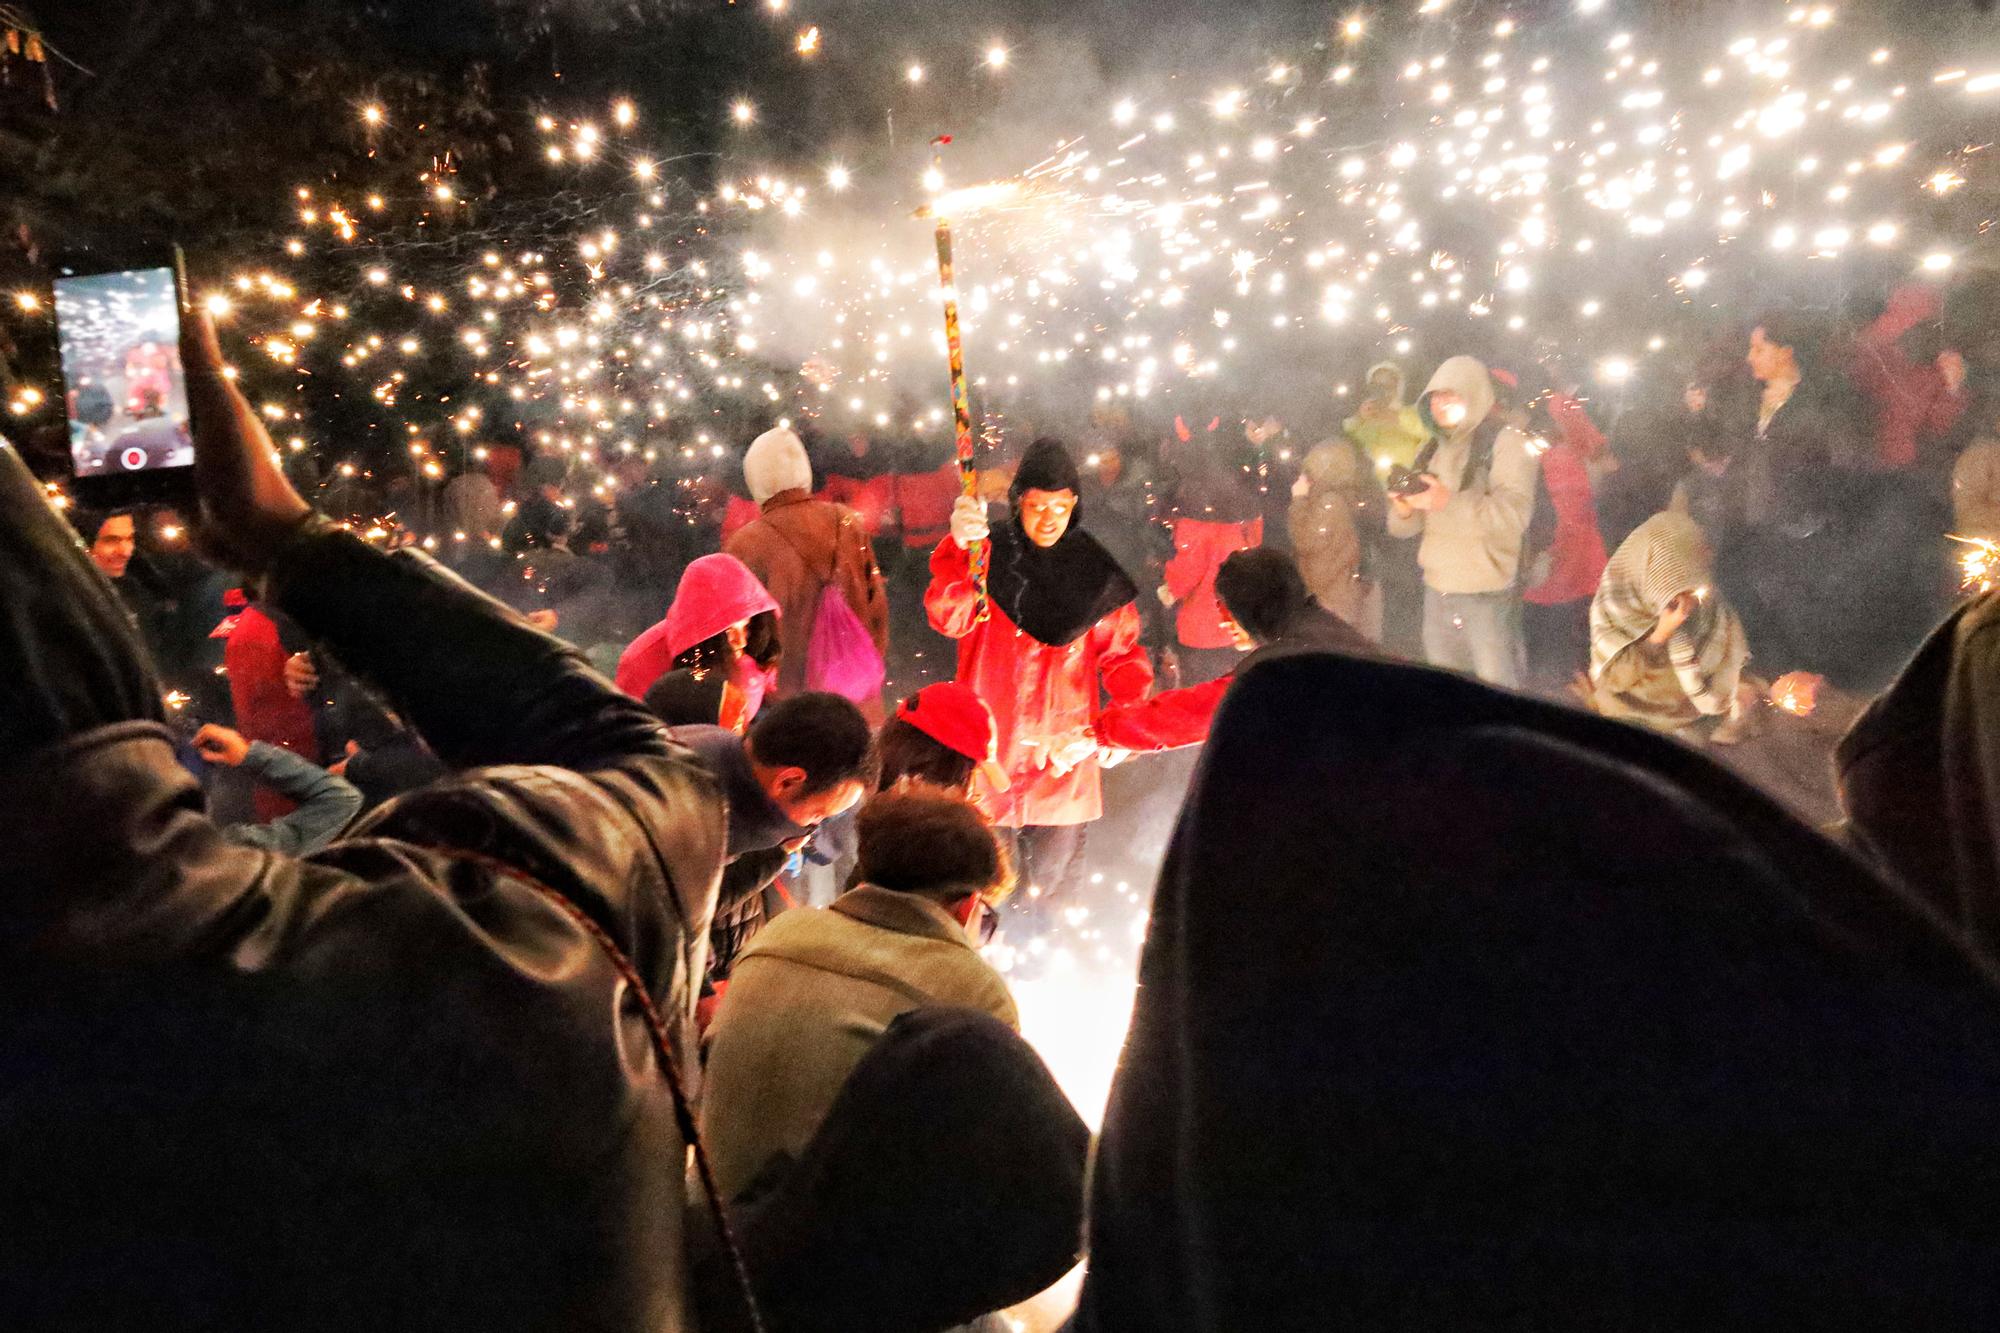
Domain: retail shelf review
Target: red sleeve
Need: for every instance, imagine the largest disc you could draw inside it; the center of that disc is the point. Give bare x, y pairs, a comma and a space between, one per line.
1942, 412
1578, 429
1165, 721
1192, 559
256, 664
1122, 663
951, 600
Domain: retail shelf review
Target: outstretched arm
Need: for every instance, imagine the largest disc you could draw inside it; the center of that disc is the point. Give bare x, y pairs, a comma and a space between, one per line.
326, 803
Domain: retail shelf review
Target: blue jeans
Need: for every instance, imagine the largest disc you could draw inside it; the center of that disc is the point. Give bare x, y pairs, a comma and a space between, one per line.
1475, 632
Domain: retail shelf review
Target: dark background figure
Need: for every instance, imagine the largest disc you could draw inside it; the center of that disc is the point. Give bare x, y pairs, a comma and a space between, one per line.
1835, 568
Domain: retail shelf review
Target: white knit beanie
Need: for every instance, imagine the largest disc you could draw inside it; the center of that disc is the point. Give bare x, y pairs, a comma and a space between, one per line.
776, 462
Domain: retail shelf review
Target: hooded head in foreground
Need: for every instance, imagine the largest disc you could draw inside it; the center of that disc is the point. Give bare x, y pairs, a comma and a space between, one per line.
1673, 1061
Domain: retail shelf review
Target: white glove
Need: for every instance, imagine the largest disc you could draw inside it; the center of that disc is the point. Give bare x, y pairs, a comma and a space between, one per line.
968, 521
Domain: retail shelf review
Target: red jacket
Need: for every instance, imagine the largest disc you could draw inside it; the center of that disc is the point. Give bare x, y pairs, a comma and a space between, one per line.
1578, 429
740, 514
1167, 721
870, 498
1910, 399
265, 709
924, 500
1576, 555
1200, 547
1038, 694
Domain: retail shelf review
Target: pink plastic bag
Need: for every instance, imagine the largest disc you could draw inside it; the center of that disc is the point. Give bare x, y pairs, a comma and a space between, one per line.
841, 657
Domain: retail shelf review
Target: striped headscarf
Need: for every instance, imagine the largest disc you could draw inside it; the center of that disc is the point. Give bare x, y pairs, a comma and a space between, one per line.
1663, 558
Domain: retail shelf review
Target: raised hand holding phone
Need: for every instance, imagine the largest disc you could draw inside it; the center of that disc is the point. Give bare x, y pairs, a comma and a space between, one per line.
247, 505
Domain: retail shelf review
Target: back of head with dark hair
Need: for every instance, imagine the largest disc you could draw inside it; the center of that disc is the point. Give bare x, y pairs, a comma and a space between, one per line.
1263, 592
88, 521
930, 842
823, 734
1804, 333
906, 753
686, 698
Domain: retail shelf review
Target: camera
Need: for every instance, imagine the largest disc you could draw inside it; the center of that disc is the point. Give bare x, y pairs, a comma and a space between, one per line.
1404, 482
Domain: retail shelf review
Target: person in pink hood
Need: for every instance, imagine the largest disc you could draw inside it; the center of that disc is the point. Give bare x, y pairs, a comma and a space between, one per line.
723, 619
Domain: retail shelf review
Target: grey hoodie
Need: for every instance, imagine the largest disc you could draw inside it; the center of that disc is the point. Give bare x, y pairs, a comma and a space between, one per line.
1473, 543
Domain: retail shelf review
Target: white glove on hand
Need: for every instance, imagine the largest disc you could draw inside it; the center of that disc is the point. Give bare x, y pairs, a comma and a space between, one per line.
968, 521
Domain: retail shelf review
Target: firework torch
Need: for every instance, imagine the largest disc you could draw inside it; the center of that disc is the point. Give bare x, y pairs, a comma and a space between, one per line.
961, 400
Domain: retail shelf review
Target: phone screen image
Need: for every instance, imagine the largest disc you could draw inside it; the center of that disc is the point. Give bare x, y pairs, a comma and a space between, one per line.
119, 338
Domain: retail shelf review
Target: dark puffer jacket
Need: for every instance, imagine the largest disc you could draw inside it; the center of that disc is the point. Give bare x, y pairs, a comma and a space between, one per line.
395, 1085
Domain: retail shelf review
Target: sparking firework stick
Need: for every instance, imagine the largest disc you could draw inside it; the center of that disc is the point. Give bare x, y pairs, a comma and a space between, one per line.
961, 401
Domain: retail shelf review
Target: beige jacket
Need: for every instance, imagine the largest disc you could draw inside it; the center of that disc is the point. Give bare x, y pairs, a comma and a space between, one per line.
1473, 543
1975, 491
807, 1000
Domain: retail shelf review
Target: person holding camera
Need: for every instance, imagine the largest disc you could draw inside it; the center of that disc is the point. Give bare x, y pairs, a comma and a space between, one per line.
1470, 496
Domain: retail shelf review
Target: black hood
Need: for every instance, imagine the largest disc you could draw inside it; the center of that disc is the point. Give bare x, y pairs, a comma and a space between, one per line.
1413, 1047
70, 659
1046, 466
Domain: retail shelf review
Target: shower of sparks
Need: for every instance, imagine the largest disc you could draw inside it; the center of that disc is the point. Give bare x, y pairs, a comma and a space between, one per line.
1979, 564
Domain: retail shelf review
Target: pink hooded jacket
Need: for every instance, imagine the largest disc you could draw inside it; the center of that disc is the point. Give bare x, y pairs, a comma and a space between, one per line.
715, 592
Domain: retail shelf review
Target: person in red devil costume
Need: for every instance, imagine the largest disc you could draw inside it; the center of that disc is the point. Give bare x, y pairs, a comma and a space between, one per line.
1060, 621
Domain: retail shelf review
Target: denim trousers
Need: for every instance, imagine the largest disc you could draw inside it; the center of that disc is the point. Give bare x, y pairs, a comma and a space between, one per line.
1475, 632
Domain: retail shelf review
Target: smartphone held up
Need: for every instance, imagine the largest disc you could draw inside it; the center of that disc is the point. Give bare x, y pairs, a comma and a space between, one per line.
118, 334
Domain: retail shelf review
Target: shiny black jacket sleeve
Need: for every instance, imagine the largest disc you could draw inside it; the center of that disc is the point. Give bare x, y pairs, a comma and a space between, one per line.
481, 685
561, 776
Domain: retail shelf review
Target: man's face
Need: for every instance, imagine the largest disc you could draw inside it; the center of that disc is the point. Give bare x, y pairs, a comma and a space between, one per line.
1260, 429
1696, 397
1382, 386
811, 811
116, 541
1447, 409
1768, 361
1045, 515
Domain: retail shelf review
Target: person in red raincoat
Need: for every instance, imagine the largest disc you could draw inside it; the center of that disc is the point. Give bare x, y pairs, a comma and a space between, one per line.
1215, 515
1060, 622
267, 708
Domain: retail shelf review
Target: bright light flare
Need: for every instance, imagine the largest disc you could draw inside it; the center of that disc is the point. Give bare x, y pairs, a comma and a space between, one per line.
1979, 566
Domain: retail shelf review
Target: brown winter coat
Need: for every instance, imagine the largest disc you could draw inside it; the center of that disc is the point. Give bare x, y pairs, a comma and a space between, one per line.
1326, 525
798, 546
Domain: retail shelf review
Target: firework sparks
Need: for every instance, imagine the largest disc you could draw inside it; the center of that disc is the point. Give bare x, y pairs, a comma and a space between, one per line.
1979, 564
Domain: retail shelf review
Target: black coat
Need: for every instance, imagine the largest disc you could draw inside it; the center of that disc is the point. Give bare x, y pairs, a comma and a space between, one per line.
1567, 1028
1920, 773
391, 1086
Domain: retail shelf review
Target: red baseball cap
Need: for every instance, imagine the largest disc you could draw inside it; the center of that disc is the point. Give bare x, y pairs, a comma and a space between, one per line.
956, 717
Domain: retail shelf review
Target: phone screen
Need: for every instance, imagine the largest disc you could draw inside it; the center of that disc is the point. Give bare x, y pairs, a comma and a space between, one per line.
119, 338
